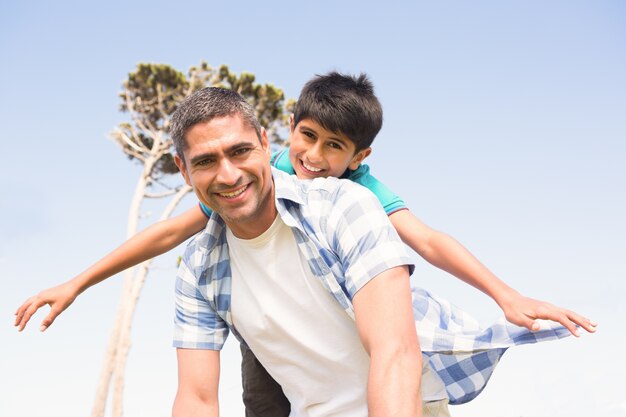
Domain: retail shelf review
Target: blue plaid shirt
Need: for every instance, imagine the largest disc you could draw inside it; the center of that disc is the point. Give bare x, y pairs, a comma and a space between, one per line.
347, 240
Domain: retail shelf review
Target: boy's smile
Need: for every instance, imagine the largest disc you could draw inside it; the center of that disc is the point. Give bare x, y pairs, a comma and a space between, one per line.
317, 152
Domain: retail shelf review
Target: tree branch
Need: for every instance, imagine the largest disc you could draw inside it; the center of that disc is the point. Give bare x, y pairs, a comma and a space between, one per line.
161, 195
160, 103
150, 130
128, 141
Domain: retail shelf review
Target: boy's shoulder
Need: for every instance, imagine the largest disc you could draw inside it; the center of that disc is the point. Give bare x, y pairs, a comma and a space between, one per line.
280, 160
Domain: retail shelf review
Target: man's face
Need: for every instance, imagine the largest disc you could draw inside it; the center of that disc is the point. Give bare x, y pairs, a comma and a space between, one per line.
316, 152
229, 170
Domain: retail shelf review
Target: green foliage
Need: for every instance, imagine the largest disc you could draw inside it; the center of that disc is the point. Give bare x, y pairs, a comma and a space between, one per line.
152, 92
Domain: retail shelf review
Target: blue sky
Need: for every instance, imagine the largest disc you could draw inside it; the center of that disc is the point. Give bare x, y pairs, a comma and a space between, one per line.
504, 127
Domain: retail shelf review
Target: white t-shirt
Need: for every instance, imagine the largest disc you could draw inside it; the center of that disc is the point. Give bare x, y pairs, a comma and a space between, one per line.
295, 327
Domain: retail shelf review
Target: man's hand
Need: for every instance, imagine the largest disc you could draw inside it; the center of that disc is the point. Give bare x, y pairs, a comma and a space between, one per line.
58, 298
524, 311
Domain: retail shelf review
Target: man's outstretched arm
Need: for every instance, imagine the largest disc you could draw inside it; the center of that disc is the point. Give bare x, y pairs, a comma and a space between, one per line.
198, 380
384, 318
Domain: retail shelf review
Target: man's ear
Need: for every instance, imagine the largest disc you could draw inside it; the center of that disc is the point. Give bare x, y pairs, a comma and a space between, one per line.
359, 157
182, 168
265, 142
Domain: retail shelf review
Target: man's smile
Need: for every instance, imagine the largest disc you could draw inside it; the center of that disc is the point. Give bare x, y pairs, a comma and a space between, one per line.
232, 194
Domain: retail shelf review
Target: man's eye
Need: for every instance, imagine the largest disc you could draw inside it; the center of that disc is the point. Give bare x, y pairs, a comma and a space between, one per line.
242, 151
204, 162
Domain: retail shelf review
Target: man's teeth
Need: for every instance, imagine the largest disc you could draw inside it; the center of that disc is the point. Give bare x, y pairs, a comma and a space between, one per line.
234, 193
310, 168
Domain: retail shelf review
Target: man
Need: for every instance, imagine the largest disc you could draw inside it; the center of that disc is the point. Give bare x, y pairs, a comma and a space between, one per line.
312, 276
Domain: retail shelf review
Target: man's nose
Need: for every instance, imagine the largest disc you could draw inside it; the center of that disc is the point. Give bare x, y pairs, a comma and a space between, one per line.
228, 172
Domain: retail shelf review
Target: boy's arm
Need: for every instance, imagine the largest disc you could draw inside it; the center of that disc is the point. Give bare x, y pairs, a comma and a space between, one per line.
154, 240
198, 380
384, 319
449, 255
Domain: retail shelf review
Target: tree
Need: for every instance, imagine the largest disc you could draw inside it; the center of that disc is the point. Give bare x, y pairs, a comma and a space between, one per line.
150, 95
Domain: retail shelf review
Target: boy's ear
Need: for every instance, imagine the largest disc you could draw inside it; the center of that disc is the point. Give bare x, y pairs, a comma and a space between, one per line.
291, 124
181, 167
359, 157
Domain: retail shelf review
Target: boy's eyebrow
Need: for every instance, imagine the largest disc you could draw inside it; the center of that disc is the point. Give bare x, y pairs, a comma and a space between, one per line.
228, 150
337, 138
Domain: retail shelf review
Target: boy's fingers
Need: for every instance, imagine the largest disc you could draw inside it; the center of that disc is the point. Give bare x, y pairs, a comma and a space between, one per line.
32, 309
48, 320
563, 318
584, 322
20, 311
19, 318
527, 322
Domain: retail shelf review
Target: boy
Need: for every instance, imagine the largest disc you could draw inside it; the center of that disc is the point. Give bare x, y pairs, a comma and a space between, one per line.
333, 126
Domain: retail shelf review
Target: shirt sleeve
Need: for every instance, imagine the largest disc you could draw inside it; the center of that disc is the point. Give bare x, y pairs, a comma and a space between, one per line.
390, 201
364, 239
280, 160
207, 211
196, 323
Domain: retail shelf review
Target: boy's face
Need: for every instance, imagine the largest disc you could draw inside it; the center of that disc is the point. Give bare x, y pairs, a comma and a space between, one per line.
317, 152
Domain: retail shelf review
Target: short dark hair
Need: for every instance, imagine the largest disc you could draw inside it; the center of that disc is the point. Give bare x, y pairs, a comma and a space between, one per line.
342, 104
205, 105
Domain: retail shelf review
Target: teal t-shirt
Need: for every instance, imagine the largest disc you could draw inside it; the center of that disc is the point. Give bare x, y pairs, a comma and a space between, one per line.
390, 201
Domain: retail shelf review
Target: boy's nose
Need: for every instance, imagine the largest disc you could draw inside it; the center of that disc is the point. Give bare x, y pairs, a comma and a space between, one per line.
314, 154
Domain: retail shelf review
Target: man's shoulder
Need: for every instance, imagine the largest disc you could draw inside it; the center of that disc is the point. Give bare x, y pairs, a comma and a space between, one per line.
200, 246
329, 188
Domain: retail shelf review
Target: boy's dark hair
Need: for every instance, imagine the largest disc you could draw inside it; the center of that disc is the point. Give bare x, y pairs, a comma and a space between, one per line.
343, 104
205, 105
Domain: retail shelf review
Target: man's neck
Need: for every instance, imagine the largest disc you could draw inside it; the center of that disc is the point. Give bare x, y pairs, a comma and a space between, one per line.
256, 227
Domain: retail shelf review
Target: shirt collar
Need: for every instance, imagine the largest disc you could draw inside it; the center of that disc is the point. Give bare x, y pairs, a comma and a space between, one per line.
287, 188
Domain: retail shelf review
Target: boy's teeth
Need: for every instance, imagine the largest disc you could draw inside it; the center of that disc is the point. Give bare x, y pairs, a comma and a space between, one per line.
234, 193
310, 168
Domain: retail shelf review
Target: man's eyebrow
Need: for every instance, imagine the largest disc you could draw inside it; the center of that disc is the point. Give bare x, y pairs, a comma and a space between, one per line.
228, 150
202, 156
242, 144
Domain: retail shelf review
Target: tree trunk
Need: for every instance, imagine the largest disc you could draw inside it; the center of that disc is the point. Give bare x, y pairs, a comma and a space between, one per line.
124, 341
106, 373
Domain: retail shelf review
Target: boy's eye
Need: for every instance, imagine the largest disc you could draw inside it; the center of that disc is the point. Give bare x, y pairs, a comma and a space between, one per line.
335, 145
309, 135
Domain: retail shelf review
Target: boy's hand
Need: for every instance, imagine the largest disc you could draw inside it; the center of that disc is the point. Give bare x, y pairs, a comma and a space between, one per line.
58, 298
524, 311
